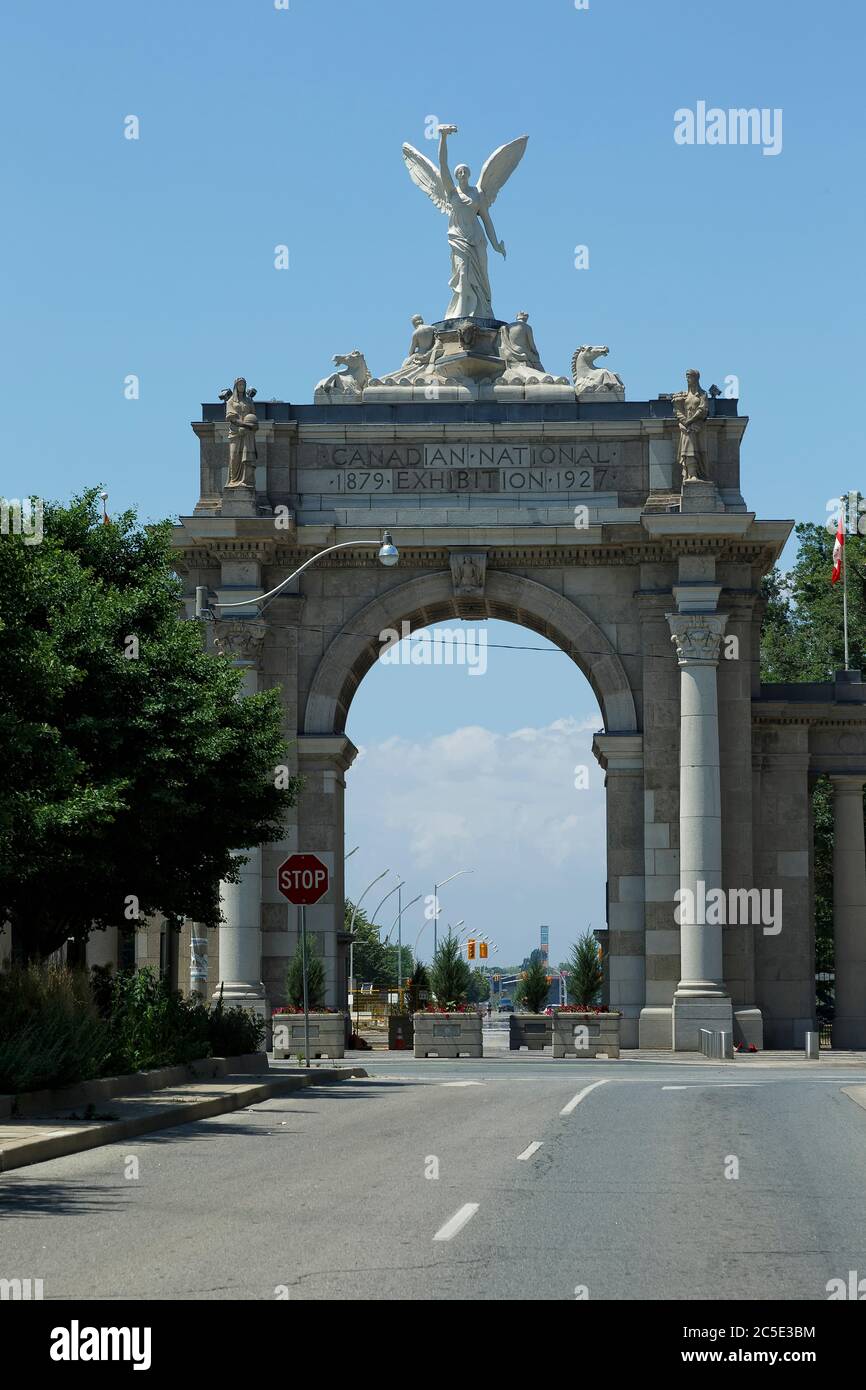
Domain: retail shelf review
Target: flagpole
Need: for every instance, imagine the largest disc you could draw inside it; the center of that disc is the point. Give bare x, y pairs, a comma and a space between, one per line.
845, 587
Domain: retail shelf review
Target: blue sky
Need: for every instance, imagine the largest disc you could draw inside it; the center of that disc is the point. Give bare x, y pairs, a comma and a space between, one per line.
261, 127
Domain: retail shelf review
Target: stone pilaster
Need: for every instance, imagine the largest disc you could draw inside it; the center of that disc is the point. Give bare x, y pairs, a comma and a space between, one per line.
323, 760
849, 911
701, 999
784, 950
621, 756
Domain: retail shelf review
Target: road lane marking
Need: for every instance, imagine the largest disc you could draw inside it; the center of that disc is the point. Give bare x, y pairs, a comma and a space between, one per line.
575, 1100
529, 1150
461, 1083
714, 1085
457, 1222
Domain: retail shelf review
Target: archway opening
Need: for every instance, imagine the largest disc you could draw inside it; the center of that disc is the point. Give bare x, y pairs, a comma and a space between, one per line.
475, 784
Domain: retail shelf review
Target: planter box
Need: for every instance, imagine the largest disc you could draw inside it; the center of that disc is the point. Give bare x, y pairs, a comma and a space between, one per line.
327, 1035
448, 1035
401, 1031
534, 1031
586, 1035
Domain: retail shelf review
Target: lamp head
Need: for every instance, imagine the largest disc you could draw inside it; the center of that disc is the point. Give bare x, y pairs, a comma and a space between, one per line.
388, 554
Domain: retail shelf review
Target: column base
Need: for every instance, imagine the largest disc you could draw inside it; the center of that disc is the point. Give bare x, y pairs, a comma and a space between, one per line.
241, 994
749, 1027
689, 1015
655, 1028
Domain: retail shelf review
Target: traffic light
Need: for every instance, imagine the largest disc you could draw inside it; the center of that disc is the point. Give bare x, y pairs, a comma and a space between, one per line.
482, 950
471, 948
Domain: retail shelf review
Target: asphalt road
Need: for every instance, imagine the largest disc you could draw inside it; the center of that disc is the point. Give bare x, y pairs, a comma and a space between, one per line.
545, 1189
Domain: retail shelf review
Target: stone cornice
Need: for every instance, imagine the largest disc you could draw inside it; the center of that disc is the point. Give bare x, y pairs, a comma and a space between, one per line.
766, 714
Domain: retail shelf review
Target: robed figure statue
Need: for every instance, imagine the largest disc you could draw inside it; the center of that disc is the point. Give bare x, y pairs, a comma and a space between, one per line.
468, 210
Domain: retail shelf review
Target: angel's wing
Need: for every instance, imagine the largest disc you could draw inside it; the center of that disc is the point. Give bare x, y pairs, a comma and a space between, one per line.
426, 175
499, 168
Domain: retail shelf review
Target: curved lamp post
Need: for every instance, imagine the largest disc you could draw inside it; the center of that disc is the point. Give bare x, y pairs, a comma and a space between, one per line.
436, 887
388, 555
398, 923
352, 928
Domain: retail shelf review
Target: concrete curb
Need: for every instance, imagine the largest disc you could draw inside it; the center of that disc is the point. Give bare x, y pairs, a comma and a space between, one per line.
92, 1135
133, 1083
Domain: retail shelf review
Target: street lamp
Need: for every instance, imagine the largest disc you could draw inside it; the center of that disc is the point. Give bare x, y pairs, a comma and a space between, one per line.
352, 928
398, 923
388, 555
436, 887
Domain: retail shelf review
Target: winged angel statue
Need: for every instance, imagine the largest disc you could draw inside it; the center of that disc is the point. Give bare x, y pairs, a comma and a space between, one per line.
468, 210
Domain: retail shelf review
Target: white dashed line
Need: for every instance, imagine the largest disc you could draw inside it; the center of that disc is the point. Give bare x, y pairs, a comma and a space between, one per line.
461, 1083
575, 1100
457, 1222
529, 1150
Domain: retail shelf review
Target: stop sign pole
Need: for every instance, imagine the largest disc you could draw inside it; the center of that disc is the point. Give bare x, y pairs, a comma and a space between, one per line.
303, 879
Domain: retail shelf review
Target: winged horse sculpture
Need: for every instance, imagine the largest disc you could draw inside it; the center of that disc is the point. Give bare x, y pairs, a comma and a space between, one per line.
468, 210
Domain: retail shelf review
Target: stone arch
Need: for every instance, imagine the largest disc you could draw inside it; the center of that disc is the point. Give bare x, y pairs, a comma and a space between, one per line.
430, 599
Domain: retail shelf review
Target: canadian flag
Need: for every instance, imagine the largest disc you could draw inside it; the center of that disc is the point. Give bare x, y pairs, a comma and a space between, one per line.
838, 552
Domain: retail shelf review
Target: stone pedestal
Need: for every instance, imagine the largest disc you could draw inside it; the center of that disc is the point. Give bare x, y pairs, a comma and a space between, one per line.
701, 1000
239, 501
700, 496
849, 911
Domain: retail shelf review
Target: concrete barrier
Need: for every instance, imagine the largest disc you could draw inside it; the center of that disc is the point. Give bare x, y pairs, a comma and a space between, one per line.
448, 1035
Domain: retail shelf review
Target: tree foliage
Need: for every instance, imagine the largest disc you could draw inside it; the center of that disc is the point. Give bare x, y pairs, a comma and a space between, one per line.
449, 975
585, 974
374, 962
532, 987
315, 977
133, 768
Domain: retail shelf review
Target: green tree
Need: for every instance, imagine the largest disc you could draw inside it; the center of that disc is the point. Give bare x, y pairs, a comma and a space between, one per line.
133, 770
450, 973
532, 987
479, 986
315, 977
585, 975
374, 962
370, 962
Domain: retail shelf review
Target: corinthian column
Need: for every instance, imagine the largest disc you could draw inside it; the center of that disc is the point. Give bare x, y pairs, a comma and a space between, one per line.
849, 911
701, 1000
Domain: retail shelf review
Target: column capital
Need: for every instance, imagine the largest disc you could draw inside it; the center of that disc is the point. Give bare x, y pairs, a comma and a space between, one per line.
325, 750
240, 639
697, 637
619, 752
847, 783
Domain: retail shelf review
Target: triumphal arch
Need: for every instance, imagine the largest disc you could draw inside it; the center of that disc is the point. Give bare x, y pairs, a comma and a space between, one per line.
617, 529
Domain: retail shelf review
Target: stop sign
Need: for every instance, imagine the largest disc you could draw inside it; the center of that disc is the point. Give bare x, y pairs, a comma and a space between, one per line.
303, 879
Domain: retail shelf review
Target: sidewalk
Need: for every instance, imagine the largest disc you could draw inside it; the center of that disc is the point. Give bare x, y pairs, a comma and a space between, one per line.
36, 1138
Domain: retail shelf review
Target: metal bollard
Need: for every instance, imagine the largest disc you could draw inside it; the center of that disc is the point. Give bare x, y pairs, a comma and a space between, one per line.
705, 1041
813, 1050
726, 1044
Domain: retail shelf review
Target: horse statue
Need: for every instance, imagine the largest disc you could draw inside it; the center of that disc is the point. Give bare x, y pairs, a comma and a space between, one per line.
587, 377
350, 382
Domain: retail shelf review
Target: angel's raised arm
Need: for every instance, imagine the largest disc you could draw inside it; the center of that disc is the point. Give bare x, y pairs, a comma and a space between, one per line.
444, 171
